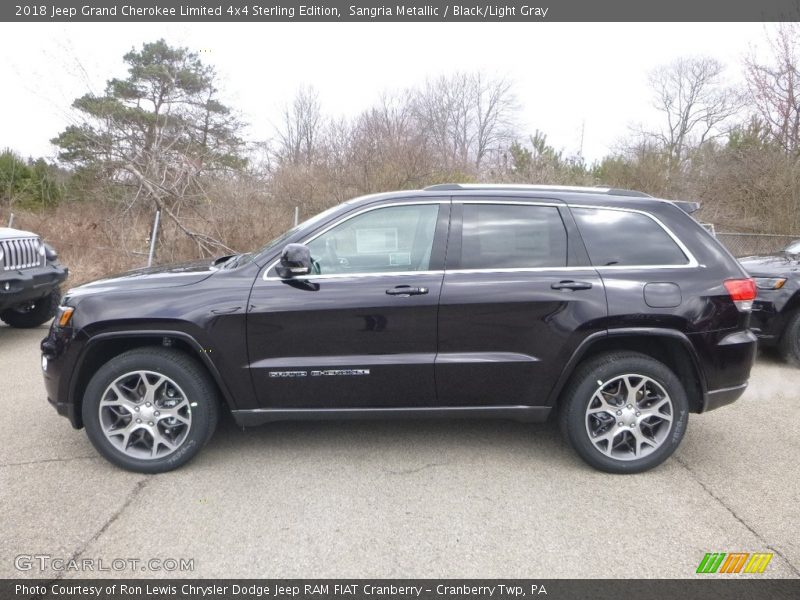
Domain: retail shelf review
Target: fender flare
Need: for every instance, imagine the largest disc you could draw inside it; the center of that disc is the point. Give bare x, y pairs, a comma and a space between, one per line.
596, 337
150, 333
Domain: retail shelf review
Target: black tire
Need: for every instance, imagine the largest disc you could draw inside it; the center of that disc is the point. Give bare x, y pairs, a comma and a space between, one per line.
789, 344
589, 378
184, 371
40, 312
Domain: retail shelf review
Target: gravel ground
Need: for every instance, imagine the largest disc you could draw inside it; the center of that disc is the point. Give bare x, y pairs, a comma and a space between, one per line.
401, 499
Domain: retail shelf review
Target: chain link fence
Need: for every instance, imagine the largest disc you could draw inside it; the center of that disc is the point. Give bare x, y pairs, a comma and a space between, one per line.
750, 244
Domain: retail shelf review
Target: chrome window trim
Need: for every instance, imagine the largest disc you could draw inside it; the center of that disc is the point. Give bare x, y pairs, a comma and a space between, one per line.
344, 220
354, 275
692, 261
589, 268
691, 264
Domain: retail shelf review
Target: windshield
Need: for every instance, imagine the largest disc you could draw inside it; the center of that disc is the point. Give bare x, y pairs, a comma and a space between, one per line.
793, 248
307, 223
237, 260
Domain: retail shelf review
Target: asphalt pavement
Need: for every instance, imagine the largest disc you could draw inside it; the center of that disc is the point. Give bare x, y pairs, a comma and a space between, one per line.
395, 499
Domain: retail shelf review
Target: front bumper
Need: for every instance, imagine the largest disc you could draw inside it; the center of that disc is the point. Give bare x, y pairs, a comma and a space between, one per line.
57, 366
716, 398
768, 323
771, 310
65, 410
17, 287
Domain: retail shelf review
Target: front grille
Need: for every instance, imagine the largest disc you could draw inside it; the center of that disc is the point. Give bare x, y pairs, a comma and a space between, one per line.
21, 254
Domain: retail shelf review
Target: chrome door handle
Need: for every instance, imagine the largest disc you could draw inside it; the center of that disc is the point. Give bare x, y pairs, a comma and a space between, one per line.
572, 285
407, 290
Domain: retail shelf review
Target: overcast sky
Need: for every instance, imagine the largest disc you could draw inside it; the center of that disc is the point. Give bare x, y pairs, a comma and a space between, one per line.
565, 75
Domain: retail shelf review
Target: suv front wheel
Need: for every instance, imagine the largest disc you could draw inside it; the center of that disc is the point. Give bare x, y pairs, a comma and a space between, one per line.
790, 341
34, 313
150, 409
624, 412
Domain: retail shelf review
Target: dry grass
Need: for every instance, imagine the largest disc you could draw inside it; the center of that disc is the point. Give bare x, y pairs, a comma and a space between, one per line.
84, 236
97, 239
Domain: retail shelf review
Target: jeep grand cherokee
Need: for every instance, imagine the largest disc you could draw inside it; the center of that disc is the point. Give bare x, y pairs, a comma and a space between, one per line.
615, 311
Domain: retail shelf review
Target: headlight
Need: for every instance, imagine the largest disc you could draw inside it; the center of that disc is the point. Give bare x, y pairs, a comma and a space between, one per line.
49, 252
770, 283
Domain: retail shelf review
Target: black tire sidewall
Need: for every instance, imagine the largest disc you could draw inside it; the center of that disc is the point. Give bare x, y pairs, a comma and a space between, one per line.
183, 371
43, 310
580, 394
790, 342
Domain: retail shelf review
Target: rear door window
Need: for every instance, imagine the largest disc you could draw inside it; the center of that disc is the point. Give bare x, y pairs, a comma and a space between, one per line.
507, 236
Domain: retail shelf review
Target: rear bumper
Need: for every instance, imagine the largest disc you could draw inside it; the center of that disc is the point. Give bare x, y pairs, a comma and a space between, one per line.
29, 284
728, 368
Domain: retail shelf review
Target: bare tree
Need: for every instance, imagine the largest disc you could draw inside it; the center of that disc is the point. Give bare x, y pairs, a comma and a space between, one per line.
389, 147
435, 107
774, 87
495, 108
301, 130
695, 103
466, 115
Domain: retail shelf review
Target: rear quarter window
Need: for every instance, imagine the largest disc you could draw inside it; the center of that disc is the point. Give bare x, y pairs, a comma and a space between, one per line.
622, 238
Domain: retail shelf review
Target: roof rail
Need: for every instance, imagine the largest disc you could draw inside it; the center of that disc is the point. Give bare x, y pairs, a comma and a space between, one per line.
447, 187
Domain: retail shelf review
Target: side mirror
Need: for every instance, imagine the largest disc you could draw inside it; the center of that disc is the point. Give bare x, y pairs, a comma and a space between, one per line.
295, 260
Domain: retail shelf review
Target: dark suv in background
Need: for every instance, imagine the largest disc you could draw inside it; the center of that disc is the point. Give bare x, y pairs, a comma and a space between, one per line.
30, 276
615, 310
776, 310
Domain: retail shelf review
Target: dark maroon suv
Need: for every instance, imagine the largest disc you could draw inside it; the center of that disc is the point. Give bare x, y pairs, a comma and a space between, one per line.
614, 311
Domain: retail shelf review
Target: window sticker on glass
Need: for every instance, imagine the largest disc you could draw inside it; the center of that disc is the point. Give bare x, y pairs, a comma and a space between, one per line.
376, 240
400, 259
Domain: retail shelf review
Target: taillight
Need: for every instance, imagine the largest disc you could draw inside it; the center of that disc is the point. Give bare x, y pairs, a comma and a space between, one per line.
742, 291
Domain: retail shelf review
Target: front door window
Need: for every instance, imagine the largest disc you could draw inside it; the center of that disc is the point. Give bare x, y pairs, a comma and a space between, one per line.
384, 240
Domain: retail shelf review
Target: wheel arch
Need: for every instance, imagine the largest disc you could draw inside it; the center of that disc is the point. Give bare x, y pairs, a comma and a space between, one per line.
793, 303
103, 347
789, 340
670, 347
790, 309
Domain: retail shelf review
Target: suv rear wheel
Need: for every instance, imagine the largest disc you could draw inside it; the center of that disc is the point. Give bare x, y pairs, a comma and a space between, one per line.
624, 412
150, 409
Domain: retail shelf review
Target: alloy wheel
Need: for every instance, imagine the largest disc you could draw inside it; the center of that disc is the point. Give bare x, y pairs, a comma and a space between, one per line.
145, 415
629, 417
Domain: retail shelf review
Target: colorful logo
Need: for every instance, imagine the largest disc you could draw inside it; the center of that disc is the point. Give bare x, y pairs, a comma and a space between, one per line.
734, 562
